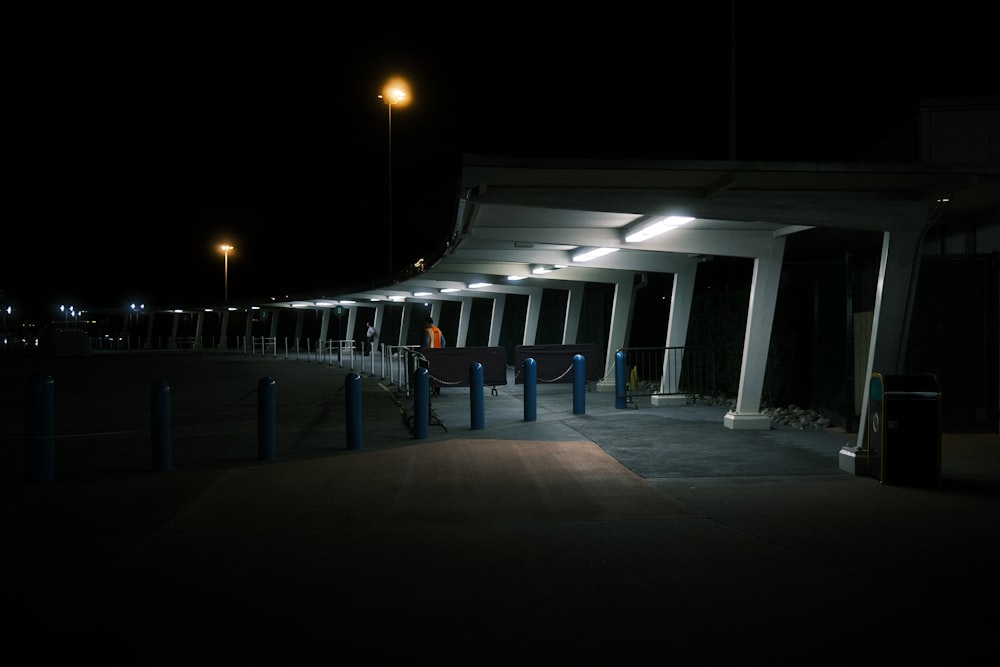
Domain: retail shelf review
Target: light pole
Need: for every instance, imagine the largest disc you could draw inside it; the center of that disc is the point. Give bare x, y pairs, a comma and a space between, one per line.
135, 313
396, 92
225, 248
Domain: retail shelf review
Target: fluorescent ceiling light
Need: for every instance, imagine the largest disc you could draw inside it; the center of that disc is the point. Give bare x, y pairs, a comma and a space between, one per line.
539, 270
478, 285
593, 253
421, 294
449, 290
657, 228
516, 278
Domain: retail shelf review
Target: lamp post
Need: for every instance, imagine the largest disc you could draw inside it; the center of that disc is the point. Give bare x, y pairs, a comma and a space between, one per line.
225, 248
396, 92
136, 309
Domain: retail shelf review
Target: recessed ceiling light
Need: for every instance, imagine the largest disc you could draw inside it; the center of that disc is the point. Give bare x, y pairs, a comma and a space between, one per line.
593, 253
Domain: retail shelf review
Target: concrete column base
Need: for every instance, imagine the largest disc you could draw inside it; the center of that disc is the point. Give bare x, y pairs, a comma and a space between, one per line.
605, 385
747, 422
668, 399
854, 460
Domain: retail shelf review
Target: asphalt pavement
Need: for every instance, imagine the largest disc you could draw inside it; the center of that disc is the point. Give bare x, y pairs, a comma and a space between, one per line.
601, 536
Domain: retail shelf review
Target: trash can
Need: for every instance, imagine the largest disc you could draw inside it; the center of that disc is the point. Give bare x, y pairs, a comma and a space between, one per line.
904, 429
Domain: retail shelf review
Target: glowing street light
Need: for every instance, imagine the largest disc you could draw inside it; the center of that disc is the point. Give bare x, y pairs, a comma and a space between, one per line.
225, 248
136, 309
395, 92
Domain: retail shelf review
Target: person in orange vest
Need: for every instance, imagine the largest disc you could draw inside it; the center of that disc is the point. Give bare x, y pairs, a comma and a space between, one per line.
432, 335
433, 338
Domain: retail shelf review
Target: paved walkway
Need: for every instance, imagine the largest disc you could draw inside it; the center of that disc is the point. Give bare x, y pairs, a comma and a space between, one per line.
597, 538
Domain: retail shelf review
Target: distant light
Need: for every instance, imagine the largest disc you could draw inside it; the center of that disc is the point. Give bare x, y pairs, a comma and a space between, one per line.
449, 290
593, 253
516, 278
348, 302
326, 303
659, 227
478, 285
421, 293
540, 270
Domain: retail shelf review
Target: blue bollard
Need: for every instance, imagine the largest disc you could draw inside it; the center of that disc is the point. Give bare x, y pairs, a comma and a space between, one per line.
352, 391
266, 422
530, 390
579, 385
477, 407
39, 428
620, 402
421, 402
159, 408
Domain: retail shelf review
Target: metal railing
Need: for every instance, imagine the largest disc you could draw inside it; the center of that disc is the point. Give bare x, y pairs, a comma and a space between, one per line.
668, 371
263, 344
400, 362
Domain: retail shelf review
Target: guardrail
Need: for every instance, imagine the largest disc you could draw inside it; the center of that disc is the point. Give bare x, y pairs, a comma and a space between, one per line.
667, 371
263, 343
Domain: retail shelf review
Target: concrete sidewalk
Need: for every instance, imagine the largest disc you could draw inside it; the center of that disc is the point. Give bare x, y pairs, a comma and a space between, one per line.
596, 538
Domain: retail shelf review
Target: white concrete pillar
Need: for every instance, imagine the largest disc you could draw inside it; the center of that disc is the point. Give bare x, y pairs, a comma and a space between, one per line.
499, 302
175, 321
465, 313
199, 327
531, 316
223, 342
681, 298
248, 330
894, 291
404, 325
620, 310
574, 308
275, 313
324, 327
757, 341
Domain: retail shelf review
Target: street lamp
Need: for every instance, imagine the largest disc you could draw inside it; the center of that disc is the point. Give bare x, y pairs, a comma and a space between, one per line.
136, 309
225, 248
396, 92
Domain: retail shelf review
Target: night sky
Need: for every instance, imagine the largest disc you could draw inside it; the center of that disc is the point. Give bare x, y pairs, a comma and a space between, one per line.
138, 143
